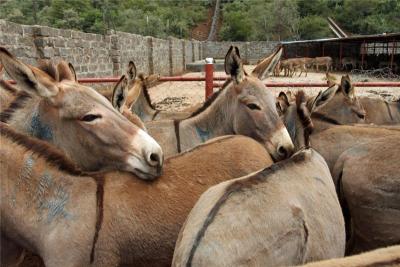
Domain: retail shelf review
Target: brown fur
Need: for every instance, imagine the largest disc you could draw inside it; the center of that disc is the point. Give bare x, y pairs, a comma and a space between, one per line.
145, 90
383, 257
368, 180
8, 87
141, 219
51, 154
18, 103
57, 159
332, 142
49, 67
380, 111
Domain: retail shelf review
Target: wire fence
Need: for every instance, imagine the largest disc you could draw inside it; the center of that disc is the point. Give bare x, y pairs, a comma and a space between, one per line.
382, 73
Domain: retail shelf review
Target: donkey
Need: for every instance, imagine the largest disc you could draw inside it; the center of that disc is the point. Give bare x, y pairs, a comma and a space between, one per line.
343, 106
137, 97
336, 105
389, 256
380, 111
240, 222
243, 106
72, 218
323, 61
79, 121
333, 141
377, 110
368, 180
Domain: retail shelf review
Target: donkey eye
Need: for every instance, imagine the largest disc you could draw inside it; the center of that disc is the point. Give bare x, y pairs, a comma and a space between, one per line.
90, 117
253, 106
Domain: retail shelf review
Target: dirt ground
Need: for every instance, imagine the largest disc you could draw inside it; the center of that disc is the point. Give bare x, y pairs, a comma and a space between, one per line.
180, 95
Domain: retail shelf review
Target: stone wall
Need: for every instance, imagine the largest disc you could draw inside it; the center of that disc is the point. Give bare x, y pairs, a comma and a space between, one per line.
96, 55
251, 52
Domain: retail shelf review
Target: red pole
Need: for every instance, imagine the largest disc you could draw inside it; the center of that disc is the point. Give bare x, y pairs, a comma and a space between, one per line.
209, 70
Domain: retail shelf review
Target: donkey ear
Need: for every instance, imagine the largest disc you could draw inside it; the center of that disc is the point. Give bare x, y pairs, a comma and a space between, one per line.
131, 71
66, 71
282, 103
234, 64
323, 97
72, 69
29, 79
119, 94
346, 86
267, 65
49, 67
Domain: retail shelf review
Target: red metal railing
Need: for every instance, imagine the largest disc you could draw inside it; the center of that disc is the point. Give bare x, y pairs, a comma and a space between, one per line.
209, 81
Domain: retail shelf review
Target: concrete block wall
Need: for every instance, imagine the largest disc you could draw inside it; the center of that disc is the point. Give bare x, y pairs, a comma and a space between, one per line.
132, 47
176, 56
96, 55
12, 34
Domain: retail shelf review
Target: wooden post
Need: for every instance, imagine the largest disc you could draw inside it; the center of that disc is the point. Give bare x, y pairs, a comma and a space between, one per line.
340, 54
392, 57
362, 54
209, 71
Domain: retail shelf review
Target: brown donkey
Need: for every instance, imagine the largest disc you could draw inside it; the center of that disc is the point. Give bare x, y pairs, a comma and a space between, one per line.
336, 105
243, 106
343, 106
368, 180
60, 213
79, 121
377, 110
138, 98
286, 214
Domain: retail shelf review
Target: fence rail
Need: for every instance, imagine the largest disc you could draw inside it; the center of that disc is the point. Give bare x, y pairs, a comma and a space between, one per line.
210, 84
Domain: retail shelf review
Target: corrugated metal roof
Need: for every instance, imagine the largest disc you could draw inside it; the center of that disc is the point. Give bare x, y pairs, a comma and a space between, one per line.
374, 37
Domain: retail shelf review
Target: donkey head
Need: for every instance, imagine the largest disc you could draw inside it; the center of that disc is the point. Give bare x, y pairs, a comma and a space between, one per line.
255, 114
83, 123
343, 105
131, 92
297, 119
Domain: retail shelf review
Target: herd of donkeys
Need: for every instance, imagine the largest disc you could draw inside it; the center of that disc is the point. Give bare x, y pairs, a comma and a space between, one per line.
246, 179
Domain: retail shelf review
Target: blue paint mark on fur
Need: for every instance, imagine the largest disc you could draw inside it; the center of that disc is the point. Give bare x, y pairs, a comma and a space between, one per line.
40, 130
203, 134
51, 198
23, 178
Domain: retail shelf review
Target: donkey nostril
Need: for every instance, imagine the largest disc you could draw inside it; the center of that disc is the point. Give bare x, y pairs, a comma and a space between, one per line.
282, 151
154, 159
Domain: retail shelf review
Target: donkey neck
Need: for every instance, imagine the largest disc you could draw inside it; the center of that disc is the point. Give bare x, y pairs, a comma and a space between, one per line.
48, 196
28, 119
143, 108
215, 120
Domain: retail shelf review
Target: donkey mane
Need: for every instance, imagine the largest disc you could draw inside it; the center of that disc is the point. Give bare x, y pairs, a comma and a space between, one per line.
16, 104
145, 90
211, 99
8, 87
48, 67
237, 186
304, 115
51, 154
